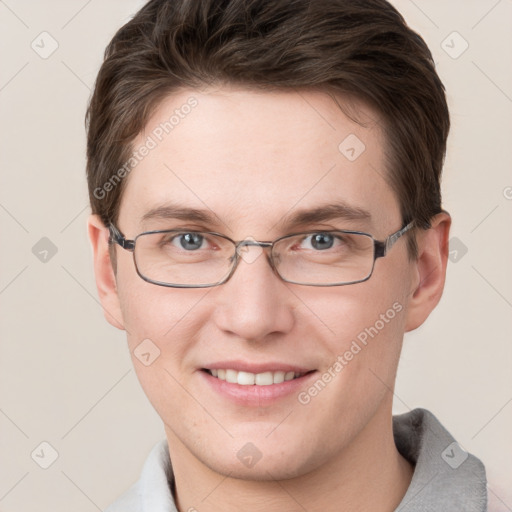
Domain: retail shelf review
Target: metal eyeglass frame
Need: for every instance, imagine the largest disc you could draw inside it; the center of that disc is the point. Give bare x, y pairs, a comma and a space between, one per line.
381, 248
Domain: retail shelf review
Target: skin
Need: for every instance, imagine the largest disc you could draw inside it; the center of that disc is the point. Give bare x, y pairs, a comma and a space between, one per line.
253, 158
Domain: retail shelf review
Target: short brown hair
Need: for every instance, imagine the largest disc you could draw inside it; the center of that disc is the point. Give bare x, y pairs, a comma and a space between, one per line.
359, 48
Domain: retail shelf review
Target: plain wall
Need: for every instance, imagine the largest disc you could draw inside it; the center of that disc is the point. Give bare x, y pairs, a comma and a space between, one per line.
65, 374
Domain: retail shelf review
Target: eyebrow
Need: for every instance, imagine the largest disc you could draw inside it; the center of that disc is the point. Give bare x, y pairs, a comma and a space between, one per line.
331, 211
174, 211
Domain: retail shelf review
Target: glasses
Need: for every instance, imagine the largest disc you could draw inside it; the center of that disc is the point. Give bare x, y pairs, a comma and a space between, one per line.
183, 258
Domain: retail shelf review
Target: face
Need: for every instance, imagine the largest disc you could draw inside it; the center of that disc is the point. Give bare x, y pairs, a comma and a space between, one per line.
252, 161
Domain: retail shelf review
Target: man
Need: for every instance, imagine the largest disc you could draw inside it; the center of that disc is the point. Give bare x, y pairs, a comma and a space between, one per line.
266, 225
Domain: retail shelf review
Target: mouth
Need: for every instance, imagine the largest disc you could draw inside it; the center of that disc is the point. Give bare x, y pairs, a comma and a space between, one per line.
267, 384
242, 378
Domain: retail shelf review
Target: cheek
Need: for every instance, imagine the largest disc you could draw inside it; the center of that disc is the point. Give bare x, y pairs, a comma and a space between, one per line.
370, 355
161, 325
363, 311
360, 370
152, 311
366, 326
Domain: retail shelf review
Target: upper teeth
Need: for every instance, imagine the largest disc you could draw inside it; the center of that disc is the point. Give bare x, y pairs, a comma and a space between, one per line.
247, 379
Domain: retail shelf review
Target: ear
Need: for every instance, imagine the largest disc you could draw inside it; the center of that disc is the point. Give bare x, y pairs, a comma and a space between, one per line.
430, 268
104, 273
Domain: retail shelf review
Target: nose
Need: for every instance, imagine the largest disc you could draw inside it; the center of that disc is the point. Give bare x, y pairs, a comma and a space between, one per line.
254, 302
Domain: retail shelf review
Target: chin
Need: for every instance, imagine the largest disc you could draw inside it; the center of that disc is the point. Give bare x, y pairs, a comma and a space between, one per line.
262, 459
264, 470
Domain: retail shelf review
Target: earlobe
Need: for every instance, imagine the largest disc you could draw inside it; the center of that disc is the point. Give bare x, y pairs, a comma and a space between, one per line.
104, 273
430, 270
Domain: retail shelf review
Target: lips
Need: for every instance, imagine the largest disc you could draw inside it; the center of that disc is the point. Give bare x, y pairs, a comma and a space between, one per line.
260, 392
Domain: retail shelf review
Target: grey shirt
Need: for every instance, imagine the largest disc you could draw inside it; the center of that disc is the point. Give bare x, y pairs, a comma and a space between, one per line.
446, 478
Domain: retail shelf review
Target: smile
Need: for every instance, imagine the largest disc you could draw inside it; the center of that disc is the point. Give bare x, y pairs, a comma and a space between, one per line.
250, 379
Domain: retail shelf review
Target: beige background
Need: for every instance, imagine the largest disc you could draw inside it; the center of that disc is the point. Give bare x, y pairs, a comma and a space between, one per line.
65, 374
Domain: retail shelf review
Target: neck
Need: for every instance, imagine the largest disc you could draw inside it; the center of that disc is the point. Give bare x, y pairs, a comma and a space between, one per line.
369, 474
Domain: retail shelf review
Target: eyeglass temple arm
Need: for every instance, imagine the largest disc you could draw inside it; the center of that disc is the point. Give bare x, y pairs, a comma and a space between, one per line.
117, 237
381, 248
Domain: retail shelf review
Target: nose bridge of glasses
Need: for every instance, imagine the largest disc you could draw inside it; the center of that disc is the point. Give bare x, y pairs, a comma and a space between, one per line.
242, 250
251, 242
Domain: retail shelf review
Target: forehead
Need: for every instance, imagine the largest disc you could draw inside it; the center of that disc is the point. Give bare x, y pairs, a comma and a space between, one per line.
252, 158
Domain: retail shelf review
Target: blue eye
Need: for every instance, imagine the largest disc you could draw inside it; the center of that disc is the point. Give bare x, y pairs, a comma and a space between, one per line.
320, 241
190, 241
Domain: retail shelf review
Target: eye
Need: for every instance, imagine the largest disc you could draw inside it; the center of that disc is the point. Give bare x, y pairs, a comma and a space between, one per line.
320, 241
188, 241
